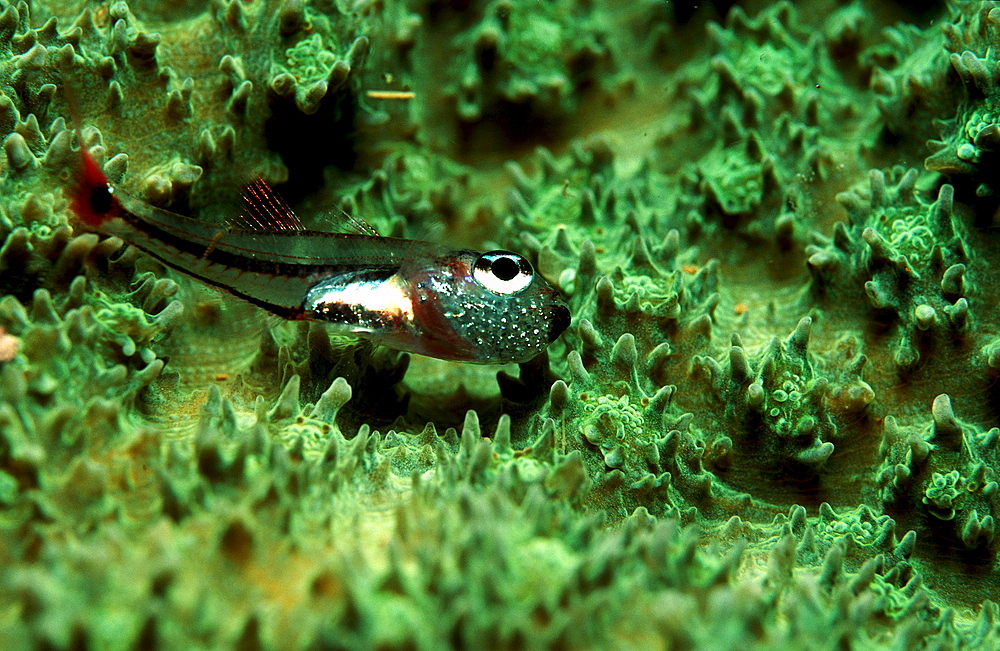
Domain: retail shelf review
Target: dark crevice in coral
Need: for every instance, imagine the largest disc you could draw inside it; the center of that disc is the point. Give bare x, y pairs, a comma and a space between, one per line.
508, 126
993, 403
330, 141
977, 194
684, 11
922, 11
784, 485
944, 545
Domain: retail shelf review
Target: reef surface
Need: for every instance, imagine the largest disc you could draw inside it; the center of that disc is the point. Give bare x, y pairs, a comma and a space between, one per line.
773, 422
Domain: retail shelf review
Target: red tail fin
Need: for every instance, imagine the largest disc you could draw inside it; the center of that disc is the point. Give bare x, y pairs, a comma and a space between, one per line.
91, 198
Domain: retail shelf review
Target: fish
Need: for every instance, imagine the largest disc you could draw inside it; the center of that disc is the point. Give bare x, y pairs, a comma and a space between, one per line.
419, 297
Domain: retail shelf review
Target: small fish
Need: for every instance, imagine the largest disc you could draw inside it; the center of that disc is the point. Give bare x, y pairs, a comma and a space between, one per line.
418, 297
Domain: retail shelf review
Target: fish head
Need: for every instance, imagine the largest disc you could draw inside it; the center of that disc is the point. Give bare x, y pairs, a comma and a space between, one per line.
487, 308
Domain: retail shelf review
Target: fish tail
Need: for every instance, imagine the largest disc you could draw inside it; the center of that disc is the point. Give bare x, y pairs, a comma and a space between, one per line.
91, 198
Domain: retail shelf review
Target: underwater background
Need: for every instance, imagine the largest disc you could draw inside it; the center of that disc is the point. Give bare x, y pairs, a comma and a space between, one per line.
772, 423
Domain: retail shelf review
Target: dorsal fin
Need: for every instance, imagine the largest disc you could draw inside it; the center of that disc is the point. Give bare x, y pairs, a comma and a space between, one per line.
264, 210
349, 223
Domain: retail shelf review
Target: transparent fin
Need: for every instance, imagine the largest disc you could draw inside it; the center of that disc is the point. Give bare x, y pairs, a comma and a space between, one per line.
264, 210
352, 224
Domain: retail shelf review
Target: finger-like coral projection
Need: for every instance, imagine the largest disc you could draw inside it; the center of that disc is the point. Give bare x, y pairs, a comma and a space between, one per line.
67, 399
761, 113
970, 137
769, 425
909, 256
197, 96
946, 473
780, 407
529, 59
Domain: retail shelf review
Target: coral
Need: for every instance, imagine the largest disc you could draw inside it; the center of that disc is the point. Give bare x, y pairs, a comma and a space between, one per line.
784, 410
763, 114
965, 150
912, 264
947, 472
772, 422
533, 56
210, 112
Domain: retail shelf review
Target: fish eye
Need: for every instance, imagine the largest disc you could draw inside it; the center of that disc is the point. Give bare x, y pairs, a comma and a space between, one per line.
503, 272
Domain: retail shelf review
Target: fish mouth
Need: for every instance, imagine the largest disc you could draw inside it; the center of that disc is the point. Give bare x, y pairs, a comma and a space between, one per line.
560, 321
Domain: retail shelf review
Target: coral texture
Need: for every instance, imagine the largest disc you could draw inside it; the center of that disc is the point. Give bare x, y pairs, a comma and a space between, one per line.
773, 422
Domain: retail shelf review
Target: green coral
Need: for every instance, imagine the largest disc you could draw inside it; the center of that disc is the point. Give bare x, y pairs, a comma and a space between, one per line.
912, 265
309, 60
949, 470
730, 445
538, 55
943, 492
784, 412
967, 145
765, 127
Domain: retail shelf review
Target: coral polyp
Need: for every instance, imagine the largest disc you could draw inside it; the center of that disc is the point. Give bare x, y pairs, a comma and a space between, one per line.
771, 423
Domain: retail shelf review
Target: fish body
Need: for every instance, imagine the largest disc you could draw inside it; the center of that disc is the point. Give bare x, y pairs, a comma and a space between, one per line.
410, 295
